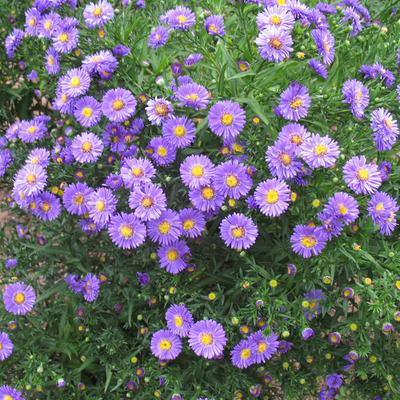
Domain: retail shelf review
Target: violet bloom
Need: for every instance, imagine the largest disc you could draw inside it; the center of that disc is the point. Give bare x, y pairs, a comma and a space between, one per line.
294, 134
101, 205
272, 197
193, 222
308, 333
173, 256
179, 320
98, 14
50, 207
181, 18
179, 131
143, 279
120, 50
6, 349
193, 95
382, 208
86, 147
126, 231
75, 198
357, 96
343, 206
165, 229
274, 44
307, 241
88, 111
334, 381
31, 179
360, 176
325, 42
136, 172
196, 171
238, 231
148, 201
91, 288
319, 68
206, 199
75, 82
158, 37
334, 338
18, 298
163, 152
165, 345
278, 17
320, 151
159, 111
214, 25
118, 105
385, 129
192, 59
294, 102
244, 354
266, 345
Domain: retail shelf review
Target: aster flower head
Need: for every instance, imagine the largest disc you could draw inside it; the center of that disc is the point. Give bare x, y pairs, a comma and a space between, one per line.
159, 111
214, 25
101, 205
75, 198
308, 333
357, 96
325, 42
163, 152
12, 42
192, 59
38, 156
98, 14
136, 172
181, 18
347, 293
387, 328
48, 23
48, 206
32, 19
334, 338
266, 345
32, 130
31, 179
319, 68
382, 208
238, 231
226, 119
334, 381
193, 95
313, 298
166, 229
277, 17
143, 279
7, 393
294, 102
320, 151
272, 197
179, 131
307, 241
207, 338
165, 345
86, 147
120, 50
331, 225
274, 44
118, 105
192, 222
196, 171
360, 176
126, 231
148, 201
244, 354
343, 206
294, 134
6, 347
179, 320
65, 38
206, 199
88, 111
75, 82
385, 129
19, 298
91, 288
158, 37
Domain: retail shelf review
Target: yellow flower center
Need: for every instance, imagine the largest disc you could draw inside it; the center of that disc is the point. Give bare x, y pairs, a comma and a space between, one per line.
308, 241
237, 148
320, 150
87, 112
165, 344
182, 19
272, 196
48, 25
227, 119
207, 193
296, 139
147, 202
326, 47
197, 171
206, 339
100, 205
285, 159
64, 98
98, 12
342, 209
75, 82
388, 123
379, 207
78, 199
164, 227
35, 160
161, 109
245, 353
158, 36
172, 255
262, 346
137, 172
238, 232
362, 174
295, 103
32, 130
127, 231
188, 224
162, 151
281, 2
213, 28
232, 180
243, 67
46, 206
31, 178
275, 20
118, 105
178, 320
275, 43
32, 22
192, 98
19, 298
87, 147
179, 131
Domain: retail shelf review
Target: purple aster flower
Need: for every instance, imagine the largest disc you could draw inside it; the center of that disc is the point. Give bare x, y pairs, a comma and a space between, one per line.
158, 37
294, 134
32, 18
86, 147
21, 231
282, 160
334, 338
387, 328
13, 41
165, 229
13, 130
320, 151
307, 241
149, 202
6, 348
384, 169
159, 111
33, 130
114, 136
114, 181
179, 320
385, 129
207, 338
382, 208
284, 346
31, 179
32, 76
205, 198
334, 381
120, 50
196, 171
50, 207
277, 17
98, 14
65, 39
165, 345
176, 68
193, 95
18, 298
88, 111
357, 96
266, 346
192, 59
101, 205
38, 156
325, 42
350, 14
360, 176
313, 309
136, 172
100, 61
343, 206
368, 71
91, 288
244, 354
163, 151
181, 18
63, 103
331, 226
226, 119
179, 131
319, 68
326, 8
75, 198
238, 231
214, 25
192, 222
347, 293
272, 197
274, 44
294, 102
48, 23
231, 179
143, 279
308, 333
7, 392
12, 326
75, 82
126, 231
118, 105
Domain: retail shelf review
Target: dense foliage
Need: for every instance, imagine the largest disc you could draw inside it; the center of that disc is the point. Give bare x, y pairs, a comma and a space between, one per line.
203, 198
